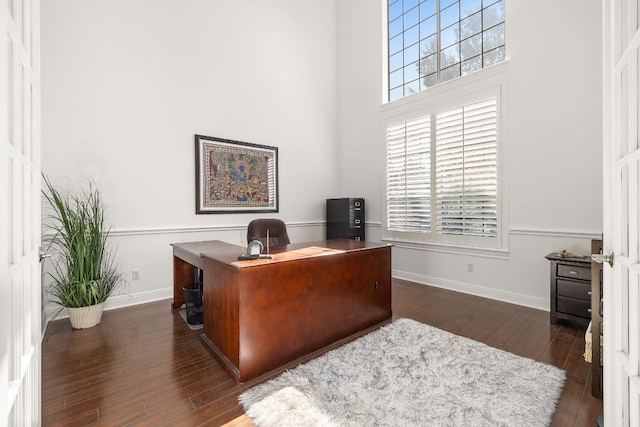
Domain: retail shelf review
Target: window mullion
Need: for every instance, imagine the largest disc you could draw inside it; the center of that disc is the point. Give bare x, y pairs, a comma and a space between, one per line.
464, 173
482, 37
406, 180
438, 44
434, 199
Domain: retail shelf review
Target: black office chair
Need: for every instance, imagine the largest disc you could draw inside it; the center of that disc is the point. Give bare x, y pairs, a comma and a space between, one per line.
257, 230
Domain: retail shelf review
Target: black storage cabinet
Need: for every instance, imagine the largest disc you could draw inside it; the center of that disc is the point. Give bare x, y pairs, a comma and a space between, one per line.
345, 218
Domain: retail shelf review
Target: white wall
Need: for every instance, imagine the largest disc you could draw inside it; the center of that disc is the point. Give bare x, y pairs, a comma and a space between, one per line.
127, 84
554, 143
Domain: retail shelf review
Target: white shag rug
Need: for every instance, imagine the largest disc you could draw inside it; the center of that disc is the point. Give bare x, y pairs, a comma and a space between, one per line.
409, 374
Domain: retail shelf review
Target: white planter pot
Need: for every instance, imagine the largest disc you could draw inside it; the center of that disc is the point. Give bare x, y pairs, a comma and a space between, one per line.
85, 317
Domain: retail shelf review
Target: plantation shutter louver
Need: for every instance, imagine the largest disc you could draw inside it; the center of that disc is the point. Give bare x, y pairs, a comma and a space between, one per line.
409, 176
466, 170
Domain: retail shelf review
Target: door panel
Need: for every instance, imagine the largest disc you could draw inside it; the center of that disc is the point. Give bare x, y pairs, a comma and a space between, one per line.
621, 299
20, 287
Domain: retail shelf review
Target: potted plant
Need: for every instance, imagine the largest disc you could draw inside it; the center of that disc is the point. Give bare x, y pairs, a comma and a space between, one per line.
84, 274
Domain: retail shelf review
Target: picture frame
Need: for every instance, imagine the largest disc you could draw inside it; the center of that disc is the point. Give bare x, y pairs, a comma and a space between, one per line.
235, 176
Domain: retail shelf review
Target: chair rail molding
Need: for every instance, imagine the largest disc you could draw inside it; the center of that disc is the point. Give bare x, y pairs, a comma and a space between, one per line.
540, 232
141, 231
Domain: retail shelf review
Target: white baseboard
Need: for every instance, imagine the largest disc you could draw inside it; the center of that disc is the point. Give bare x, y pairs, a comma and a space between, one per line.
126, 300
121, 301
467, 288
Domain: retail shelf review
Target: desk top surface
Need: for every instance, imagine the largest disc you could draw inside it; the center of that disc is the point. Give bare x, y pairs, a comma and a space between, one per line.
228, 253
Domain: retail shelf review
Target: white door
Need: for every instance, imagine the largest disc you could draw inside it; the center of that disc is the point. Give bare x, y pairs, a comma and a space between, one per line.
621, 296
20, 294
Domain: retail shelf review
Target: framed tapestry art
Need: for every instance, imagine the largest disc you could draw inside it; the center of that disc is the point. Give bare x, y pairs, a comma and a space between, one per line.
234, 176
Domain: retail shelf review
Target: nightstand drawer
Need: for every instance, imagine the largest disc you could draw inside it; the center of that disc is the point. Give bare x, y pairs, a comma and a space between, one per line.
578, 290
576, 307
574, 272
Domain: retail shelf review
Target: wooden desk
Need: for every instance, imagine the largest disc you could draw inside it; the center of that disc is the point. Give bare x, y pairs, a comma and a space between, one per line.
259, 315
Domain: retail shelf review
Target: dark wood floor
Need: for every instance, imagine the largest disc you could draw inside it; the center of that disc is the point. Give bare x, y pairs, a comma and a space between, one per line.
143, 366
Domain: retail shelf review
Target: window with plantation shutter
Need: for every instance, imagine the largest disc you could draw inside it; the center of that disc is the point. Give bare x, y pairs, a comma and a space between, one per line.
409, 176
442, 175
467, 170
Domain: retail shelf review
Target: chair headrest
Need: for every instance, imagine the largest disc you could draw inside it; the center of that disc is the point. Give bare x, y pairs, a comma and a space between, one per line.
257, 230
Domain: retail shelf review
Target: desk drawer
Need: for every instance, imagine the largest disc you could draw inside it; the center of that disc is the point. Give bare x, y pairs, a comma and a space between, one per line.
576, 307
574, 272
579, 290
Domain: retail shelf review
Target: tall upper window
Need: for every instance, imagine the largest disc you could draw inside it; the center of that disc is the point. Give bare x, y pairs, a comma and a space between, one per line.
432, 41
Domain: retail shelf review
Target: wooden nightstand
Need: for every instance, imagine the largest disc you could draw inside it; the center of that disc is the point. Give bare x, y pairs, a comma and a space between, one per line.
570, 288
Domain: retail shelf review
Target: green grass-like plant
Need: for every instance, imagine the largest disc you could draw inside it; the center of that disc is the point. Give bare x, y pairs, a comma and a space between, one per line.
83, 273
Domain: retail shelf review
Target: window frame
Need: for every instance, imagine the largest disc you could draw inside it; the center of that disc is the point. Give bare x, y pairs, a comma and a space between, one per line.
481, 85
438, 52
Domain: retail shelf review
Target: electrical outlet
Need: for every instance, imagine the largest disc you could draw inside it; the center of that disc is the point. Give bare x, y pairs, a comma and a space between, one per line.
470, 268
135, 275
